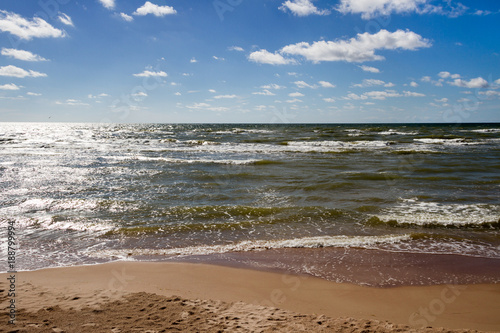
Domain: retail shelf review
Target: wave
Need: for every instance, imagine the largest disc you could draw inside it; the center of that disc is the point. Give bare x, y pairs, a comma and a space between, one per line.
375, 221
193, 161
413, 213
260, 245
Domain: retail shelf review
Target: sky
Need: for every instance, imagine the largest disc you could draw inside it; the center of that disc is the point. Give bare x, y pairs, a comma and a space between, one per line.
250, 61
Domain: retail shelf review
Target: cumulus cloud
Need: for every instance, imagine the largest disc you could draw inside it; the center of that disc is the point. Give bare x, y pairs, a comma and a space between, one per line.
10, 86
65, 19
193, 60
302, 84
109, 4
151, 8
369, 9
369, 69
359, 49
445, 75
98, 96
225, 96
266, 57
382, 95
296, 94
302, 8
72, 102
126, 17
373, 82
235, 48
490, 93
329, 100
147, 73
206, 106
264, 93
27, 29
14, 71
413, 84
326, 84
478, 82
21, 55
33, 94
273, 86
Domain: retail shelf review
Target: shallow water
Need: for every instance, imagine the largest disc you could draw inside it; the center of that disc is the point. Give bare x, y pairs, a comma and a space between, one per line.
87, 193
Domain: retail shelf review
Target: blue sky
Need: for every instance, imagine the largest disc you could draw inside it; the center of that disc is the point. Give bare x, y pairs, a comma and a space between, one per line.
260, 61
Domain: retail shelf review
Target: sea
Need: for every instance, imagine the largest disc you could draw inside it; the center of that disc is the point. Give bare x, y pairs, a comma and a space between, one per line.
334, 201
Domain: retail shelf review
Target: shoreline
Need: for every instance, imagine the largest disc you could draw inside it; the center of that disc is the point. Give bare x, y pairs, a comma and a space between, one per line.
469, 306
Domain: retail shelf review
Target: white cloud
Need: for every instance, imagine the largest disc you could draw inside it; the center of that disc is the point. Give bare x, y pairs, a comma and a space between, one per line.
98, 96
126, 17
482, 12
373, 82
147, 73
193, 60
426, 79
218, 58
65, 19
109, 4
225, 96
295, 100
302, 8
177, 94
369, 8
266, 57
302, 84
26, 29
151, 8
213, 91
22, 55
206, 106
236, 48
33, 94
273, 86
478, 82
359, 49
326, 84
264, 93
353, 96
490, 93
72, 102
413, 84
329, 100
442, 100
14, 71
10, 86
445, 75
369, 69
382, 95
497, 81
296, 94
140, 94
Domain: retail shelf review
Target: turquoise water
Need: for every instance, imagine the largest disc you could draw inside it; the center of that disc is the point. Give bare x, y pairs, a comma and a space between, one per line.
87, 193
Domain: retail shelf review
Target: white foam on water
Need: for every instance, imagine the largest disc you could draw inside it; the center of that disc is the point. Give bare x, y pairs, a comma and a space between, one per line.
260, 245
448, 142
413, 211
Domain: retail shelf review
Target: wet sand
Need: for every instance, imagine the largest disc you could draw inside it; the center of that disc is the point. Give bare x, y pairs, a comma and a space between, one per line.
140, 296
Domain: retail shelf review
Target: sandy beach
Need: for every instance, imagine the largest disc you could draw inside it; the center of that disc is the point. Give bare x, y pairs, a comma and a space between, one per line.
160, 297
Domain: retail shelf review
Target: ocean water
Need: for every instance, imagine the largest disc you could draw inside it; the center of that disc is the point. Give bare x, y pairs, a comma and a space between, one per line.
89, 193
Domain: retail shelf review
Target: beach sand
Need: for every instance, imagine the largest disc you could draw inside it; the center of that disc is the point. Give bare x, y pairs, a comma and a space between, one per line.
159, 297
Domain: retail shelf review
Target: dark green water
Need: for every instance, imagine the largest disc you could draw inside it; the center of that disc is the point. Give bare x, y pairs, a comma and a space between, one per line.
86, 193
